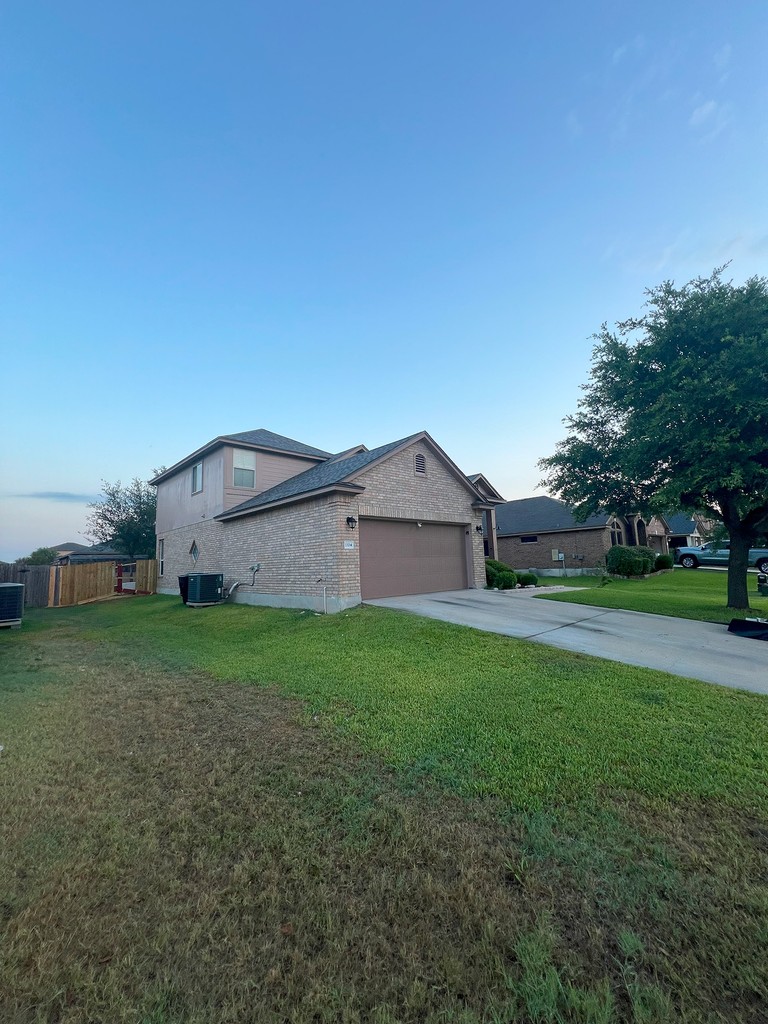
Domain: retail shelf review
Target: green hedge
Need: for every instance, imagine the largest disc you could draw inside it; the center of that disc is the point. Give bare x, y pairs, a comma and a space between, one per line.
623, 561
664, 562
497, 574
505, 581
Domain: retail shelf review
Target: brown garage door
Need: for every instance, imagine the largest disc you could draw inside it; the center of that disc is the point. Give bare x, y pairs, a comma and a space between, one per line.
397, 558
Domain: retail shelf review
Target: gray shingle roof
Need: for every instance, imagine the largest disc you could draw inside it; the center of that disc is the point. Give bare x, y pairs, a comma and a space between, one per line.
681, 523
540, 515
325, 475
267, 439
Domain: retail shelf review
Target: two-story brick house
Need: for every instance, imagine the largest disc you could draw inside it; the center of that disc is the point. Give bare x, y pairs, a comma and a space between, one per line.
325, 530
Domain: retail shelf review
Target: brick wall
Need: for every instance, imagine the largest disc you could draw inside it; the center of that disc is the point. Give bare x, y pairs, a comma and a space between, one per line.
583, 549
177, 560
301, 550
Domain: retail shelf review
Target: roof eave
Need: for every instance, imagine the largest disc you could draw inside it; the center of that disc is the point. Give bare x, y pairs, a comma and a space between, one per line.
343, 487
549, 529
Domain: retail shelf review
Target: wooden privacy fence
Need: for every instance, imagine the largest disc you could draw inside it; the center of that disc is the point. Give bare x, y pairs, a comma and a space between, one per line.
35, 579
59, 586
93, 581
74, 584
146, 576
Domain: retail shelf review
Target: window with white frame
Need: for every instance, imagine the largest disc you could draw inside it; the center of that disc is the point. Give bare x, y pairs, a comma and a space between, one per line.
197, 477
160, 557
243, 468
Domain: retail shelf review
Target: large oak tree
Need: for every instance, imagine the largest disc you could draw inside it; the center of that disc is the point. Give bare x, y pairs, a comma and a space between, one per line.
675, 415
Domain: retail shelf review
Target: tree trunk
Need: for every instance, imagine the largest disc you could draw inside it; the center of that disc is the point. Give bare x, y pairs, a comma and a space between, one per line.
738, 562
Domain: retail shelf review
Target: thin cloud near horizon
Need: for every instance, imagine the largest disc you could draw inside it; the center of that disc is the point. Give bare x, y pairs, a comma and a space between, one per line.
68, 496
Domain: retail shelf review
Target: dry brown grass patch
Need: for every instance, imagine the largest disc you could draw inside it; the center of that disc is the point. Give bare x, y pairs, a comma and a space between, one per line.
193, 851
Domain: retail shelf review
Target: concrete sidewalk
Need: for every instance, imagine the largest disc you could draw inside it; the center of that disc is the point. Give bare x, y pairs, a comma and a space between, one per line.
699, 650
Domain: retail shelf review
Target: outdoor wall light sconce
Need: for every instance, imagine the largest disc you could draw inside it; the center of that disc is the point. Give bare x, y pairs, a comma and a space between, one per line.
351, 522
478, 529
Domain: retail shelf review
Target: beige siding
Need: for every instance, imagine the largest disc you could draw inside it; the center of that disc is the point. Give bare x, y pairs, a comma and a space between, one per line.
177, 506
270, 470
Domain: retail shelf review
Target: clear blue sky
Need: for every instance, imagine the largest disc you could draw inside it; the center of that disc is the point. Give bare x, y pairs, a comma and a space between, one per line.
347, 222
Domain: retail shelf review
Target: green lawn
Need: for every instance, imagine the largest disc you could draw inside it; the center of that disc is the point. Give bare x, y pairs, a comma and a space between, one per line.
685, 593
240, 814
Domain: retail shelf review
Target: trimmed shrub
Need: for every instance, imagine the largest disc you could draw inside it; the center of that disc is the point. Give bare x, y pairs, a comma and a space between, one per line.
648, 556
623, 561
505, 581
664, 562
527, 579
492, 570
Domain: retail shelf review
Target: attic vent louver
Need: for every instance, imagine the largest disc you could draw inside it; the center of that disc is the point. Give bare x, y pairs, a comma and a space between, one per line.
419, 464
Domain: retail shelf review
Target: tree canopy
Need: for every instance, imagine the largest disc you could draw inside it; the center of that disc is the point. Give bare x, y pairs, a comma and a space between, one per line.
125, 517
41, 556
675, 415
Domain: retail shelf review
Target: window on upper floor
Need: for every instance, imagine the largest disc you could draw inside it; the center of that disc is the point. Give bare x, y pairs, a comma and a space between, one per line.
530, 538
243, 468
197, 477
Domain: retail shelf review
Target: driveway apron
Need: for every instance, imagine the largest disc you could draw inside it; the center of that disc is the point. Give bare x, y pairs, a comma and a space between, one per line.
698, 650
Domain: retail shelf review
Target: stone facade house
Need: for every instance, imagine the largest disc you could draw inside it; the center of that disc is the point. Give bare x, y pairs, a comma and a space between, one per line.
532, 533
295, 526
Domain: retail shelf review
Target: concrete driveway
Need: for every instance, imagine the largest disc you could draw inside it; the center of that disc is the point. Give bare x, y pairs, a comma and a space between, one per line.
699, 650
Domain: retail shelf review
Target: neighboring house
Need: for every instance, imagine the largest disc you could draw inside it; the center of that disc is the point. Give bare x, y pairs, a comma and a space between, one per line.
534, 532
687, 530
493, 498
78, 554
295, 526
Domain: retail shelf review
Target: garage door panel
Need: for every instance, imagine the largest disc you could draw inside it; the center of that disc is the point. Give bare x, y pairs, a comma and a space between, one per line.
399, 557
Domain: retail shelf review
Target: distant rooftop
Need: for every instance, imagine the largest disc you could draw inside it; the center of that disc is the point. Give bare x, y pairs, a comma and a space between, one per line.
540, 515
